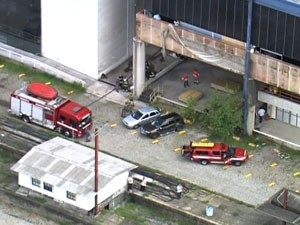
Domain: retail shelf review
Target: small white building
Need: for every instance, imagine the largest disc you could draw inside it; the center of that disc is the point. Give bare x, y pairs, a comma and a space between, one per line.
65, 171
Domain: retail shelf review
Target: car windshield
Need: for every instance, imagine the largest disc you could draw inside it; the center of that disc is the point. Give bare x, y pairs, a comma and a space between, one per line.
231, 150
137, 115
156, 122
85, 121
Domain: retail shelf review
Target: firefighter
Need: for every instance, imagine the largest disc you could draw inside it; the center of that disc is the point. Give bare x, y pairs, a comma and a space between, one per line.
196, 76
185, 79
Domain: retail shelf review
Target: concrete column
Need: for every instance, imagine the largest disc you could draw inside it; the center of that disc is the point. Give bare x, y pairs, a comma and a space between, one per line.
272, 111
251, 120
138, 67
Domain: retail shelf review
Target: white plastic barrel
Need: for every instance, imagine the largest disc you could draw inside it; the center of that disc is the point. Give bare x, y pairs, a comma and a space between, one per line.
209, 210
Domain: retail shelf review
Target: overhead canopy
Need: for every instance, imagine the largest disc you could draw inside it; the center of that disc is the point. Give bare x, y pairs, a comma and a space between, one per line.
288, 6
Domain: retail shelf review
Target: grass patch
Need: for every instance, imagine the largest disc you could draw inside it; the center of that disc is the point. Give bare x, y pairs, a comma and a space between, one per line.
6, 157
140, 214
38, 199
34, 75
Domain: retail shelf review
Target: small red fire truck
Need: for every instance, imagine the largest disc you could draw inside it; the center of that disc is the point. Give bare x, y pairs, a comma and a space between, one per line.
40, 104
209, 152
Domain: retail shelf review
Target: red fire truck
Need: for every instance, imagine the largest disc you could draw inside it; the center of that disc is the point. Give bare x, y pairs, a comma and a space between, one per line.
209, 152
40, 104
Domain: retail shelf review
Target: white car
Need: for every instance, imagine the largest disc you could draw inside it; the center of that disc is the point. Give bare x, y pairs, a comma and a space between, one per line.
141, 116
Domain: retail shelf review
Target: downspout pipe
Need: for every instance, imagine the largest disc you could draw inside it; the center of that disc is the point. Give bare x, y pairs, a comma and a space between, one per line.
247, 66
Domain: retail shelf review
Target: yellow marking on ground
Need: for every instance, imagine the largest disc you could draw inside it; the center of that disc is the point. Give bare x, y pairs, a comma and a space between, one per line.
250, 156
296, 174
182, 132
113, 125
155, 141
248, 175
22, 74
204, 140
274, 164
226, 167
48, 83
70, 92
133, 132
271, 184
236, 138
1, 66
252, 145
177, 149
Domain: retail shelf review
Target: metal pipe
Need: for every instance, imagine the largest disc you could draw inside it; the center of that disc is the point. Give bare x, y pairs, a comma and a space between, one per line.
285, 201
247, 62
211, 34
96, 171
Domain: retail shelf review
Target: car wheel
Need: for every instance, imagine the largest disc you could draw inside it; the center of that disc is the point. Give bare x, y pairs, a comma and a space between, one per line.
25, 119
136, 126
179, 128
237, 163
155, 135
203, 162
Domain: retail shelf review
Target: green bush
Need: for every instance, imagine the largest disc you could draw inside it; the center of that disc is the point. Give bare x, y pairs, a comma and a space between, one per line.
223, 114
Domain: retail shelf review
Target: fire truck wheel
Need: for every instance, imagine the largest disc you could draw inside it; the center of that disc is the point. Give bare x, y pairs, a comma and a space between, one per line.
237, 163
203, 162
67, 133
25, 119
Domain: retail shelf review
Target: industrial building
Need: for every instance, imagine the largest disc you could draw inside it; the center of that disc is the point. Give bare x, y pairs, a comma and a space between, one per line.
255, 39
65, 171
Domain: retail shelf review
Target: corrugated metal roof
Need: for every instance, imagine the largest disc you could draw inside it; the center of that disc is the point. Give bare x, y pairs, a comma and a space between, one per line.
69, 165
288, 6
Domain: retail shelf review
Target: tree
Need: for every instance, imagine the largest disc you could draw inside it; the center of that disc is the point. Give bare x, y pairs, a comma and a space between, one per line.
223, 114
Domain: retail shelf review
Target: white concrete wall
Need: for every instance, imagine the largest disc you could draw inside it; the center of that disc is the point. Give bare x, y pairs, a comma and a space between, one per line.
86, 202
115, 32
70, 33
278, 102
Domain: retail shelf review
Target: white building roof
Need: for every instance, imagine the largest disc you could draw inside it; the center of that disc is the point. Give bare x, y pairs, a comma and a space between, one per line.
70, 166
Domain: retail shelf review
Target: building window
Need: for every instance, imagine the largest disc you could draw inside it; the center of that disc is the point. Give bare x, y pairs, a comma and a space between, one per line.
48, 187
71, 195
36, 182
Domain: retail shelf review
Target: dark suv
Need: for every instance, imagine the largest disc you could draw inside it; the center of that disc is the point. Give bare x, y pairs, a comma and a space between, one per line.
163, 125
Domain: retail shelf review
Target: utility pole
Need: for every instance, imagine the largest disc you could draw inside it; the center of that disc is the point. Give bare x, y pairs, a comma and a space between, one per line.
247, 62
96, 171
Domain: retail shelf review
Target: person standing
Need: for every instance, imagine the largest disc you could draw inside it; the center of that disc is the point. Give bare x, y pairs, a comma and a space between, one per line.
196, 76
261, 113
179, 190
117, 85
130, 182
185, 79
143, 184
87, 135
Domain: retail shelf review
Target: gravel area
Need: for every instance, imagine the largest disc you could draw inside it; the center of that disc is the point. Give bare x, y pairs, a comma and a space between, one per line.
230, 181
130, 145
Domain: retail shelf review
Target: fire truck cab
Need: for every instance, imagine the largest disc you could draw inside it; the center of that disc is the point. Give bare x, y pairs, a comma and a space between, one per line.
209, 152
40, 104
